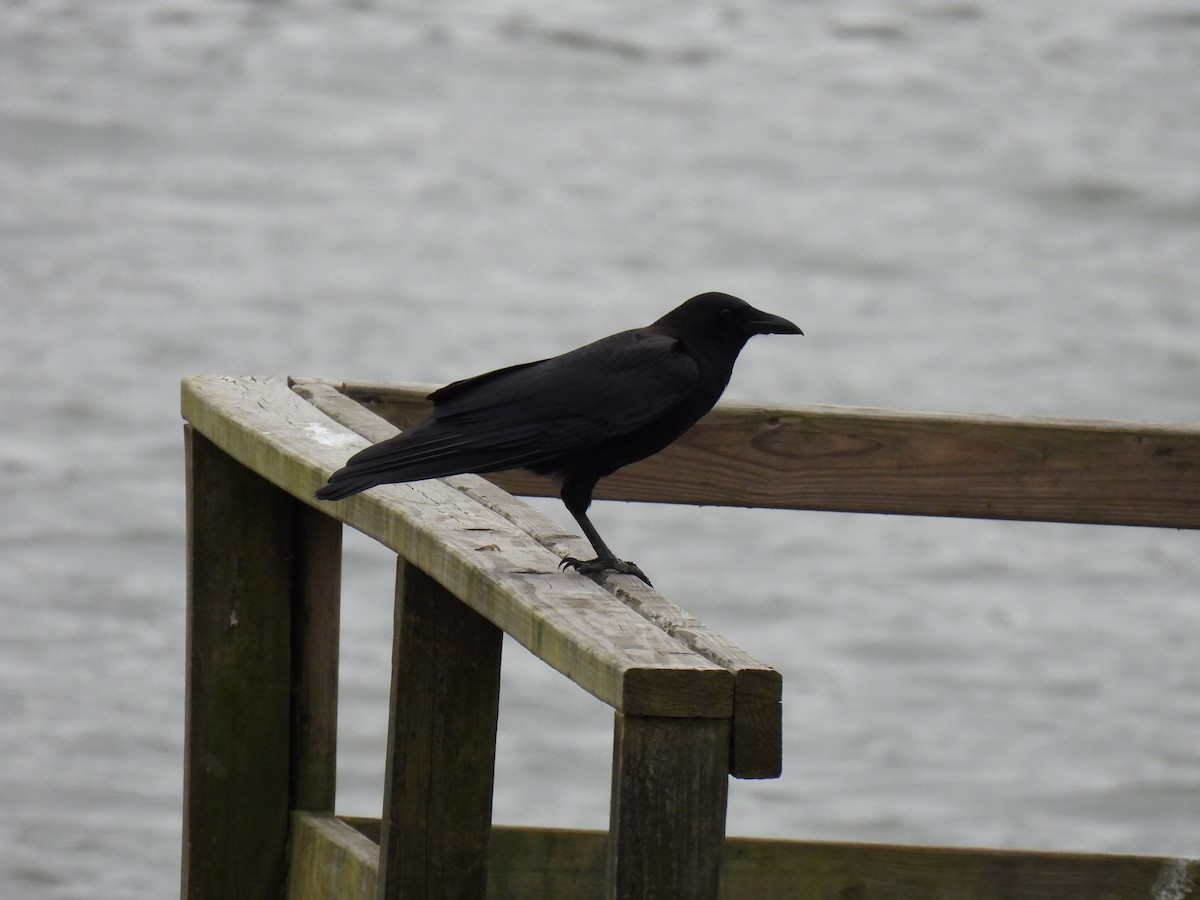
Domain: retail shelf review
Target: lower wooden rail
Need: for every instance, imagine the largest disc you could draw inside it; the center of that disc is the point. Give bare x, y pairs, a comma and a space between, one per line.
335, 859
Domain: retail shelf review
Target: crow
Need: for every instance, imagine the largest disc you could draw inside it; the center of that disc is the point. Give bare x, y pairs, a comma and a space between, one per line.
578, 416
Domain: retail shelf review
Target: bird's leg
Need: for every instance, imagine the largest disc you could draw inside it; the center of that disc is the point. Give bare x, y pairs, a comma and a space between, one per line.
577, 503
605, 560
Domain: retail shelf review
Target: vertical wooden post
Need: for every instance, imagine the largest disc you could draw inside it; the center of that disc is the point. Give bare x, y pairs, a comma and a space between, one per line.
670, 789
235, 816
316, 618
437, 805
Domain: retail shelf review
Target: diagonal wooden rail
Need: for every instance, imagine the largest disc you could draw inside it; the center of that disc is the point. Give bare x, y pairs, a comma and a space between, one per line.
756, 740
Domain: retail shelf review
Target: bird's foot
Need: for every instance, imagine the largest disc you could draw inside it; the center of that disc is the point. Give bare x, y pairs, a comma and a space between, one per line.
601, 564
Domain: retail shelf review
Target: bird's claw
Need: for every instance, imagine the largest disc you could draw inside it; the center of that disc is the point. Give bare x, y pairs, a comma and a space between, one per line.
599, 564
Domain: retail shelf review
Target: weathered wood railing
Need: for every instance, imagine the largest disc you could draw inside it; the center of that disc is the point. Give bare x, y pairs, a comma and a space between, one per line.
264, 574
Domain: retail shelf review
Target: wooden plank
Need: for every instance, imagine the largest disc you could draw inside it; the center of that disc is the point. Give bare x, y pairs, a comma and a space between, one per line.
237, 713
316, 619
345, 410
330, 860
558, 864
919, 873
549, 864
670, 785
882, 461
495, 567
757, 737
437, 806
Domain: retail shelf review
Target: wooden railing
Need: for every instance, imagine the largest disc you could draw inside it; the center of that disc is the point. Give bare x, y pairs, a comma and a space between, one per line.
474, 563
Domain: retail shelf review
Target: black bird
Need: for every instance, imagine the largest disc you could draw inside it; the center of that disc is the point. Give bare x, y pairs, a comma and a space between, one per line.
578, 416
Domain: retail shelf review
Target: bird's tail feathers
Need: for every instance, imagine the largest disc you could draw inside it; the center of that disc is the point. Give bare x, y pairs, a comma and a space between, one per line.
338, 488
415, 456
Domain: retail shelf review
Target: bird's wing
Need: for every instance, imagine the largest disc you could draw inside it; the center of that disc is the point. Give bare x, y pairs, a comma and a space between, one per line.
534, 413
600, 391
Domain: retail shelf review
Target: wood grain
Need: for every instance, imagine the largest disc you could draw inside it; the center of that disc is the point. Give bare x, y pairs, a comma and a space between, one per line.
236, 746
330, 860
445, 694
670, 785
316, 621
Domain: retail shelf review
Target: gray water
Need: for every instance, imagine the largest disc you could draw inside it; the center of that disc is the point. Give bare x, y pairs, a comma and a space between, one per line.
986, 207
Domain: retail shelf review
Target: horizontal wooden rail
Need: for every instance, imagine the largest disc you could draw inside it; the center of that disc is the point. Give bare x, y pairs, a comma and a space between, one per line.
882, 461
332, 859
483, 559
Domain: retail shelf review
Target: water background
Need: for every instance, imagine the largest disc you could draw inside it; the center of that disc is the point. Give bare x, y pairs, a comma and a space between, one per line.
968, 206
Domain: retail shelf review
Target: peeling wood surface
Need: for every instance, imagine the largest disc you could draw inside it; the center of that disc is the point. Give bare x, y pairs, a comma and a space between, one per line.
483, 559
882, 461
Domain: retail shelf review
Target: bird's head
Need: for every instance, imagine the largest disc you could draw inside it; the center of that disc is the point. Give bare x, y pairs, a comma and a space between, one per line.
725, 318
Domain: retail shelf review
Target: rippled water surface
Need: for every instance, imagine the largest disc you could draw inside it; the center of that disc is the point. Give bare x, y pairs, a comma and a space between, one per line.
989, 207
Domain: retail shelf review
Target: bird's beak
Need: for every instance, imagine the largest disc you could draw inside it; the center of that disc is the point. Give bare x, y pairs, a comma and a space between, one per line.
759, 322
